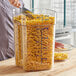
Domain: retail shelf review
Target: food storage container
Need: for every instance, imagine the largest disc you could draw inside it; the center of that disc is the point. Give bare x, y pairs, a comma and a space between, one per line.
34, 39
62, 51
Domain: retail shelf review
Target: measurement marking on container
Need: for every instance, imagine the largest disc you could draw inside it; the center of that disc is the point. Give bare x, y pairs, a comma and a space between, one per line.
44, 37
45, 28
41, 46
43, 59
41, 30
42, 42
44, 48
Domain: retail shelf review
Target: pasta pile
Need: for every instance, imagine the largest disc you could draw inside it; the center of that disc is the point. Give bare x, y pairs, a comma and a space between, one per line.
34, 42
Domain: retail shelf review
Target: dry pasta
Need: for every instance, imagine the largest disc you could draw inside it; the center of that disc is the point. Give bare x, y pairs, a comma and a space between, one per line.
60, 56
35, 37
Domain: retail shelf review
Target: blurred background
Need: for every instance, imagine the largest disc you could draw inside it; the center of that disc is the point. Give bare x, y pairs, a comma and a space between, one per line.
65, 17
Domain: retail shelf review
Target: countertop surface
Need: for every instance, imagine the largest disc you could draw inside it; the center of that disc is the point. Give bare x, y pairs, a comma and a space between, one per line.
63, 68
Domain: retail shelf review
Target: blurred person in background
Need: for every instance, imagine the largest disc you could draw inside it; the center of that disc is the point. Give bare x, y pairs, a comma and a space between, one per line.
7, 27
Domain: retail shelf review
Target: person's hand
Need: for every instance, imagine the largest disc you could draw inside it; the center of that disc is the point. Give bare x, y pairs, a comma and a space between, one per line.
15, 3
57, 45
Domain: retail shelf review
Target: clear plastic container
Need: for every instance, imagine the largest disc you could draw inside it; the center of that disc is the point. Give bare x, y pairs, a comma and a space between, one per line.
35, 39
62, 50
60, 46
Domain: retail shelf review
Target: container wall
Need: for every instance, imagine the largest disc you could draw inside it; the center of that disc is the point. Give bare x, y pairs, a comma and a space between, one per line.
18, 38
